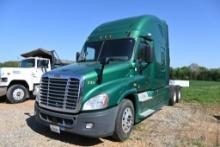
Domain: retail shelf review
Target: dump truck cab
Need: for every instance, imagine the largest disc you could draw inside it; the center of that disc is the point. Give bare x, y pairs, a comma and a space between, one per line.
121, 77
20, 83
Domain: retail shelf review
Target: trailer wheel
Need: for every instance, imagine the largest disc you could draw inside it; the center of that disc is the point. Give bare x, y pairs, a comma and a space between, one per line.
178, 94
17, 93
124, 121
173, 98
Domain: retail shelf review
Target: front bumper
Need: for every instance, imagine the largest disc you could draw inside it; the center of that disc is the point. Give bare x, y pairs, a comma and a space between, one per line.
103, 121
3, 91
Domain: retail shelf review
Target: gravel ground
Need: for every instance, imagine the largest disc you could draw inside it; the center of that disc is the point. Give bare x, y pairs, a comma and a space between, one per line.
181, 125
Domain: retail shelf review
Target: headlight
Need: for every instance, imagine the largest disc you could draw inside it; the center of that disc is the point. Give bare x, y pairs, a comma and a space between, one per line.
97, 102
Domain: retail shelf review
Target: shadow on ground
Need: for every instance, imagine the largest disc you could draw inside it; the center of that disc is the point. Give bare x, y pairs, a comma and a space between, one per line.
2, 99
217, 117
64, 137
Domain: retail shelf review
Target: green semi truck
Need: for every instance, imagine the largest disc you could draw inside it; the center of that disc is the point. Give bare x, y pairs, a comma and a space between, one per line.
121, 76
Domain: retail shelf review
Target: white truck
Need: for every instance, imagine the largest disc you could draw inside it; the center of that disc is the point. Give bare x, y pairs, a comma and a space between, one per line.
22, 82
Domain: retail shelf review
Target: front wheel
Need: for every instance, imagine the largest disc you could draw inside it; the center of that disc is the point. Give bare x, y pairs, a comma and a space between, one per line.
17, 93
124, 120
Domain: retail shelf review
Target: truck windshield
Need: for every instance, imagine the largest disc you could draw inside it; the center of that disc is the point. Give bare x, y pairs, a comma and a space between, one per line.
95, 51
28, 63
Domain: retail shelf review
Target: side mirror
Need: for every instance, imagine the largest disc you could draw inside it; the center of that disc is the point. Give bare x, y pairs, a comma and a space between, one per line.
104, 61
149, 54
77, 56
146, 53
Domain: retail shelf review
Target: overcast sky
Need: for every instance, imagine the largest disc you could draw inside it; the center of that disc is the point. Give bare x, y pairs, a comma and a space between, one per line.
63, 25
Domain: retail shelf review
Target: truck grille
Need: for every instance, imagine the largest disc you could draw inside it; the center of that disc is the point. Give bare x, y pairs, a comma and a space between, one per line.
59, 94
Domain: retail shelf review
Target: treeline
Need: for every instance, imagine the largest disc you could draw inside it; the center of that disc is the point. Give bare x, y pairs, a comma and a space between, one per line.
192, 72
195, 73
9, 64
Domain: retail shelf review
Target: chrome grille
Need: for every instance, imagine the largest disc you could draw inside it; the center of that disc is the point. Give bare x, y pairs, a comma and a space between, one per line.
59, 94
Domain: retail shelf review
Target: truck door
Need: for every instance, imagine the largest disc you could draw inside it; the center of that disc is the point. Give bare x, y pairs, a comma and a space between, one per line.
144, 76
143, 68
42, 67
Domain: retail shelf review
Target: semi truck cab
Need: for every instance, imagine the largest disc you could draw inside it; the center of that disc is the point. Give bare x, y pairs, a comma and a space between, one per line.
121, 76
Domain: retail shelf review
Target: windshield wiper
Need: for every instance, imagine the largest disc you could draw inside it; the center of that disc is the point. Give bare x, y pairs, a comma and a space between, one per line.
105, 61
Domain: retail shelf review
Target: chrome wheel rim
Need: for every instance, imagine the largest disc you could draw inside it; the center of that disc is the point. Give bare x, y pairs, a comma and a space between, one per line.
179, 95
127, 120
174, 97
18, 94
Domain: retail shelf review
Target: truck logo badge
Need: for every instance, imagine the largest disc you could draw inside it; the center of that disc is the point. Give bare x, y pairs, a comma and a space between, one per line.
16, 72
144, 96
91, 82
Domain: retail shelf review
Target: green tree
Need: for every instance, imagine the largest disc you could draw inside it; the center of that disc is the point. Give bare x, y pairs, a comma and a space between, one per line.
9, 64
195, 72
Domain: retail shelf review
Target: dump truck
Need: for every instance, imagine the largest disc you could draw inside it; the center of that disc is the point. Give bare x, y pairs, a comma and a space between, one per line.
22, 82
121, 76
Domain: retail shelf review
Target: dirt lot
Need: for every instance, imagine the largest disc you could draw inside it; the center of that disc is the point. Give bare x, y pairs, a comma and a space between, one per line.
181, 125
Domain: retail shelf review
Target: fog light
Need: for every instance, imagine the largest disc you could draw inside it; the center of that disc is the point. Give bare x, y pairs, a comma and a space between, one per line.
89, 125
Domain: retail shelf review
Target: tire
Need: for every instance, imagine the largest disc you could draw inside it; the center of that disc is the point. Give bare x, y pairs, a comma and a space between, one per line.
17, 93
124, 121
173, 98
178, 94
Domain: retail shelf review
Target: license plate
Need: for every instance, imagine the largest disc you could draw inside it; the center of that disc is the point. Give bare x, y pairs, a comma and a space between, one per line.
55, 129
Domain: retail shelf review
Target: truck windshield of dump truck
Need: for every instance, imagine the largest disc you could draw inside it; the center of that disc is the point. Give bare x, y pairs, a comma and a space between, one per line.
27, 63
95, 51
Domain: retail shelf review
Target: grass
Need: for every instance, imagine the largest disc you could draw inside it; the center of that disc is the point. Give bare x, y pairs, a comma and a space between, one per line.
203, 92
192, 143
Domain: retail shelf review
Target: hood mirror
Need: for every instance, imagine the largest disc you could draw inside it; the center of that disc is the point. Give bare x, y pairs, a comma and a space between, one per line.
103, 62
77, 56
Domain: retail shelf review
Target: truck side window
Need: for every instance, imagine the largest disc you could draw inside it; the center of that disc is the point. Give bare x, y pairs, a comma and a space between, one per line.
42, 63
90, 53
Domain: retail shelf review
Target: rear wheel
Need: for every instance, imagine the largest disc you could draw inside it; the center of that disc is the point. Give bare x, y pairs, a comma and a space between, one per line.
124, 120
178, 94
173, 98
17, 93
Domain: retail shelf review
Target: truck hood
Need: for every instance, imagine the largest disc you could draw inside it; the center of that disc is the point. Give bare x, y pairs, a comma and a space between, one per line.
13, 71
77, 69
85, 70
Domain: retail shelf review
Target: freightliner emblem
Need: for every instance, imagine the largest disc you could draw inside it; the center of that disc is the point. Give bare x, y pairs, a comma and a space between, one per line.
57, 76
